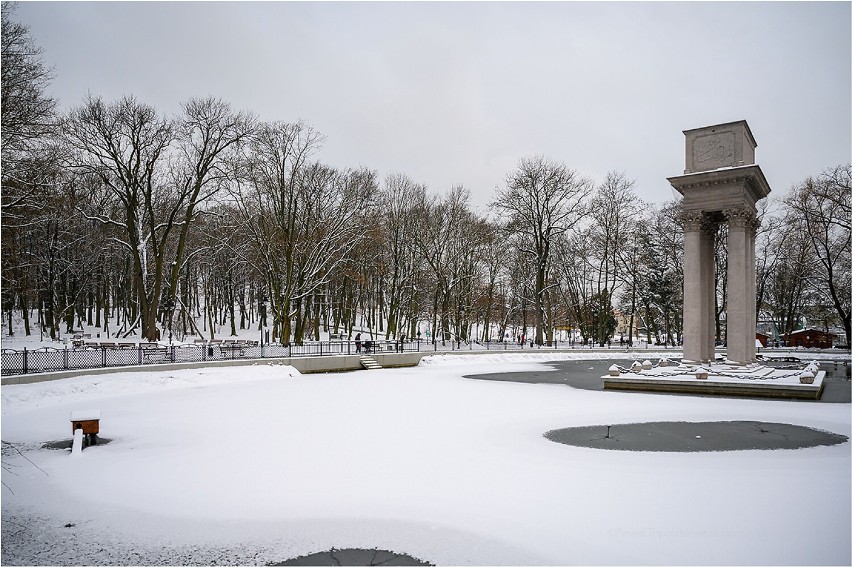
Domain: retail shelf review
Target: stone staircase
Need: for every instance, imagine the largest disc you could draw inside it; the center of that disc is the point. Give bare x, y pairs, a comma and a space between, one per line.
369, 362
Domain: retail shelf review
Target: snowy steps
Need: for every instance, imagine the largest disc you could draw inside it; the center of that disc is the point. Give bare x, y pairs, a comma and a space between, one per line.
369, 362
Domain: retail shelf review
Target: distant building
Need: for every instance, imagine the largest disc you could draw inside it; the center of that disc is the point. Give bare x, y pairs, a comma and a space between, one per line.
764, 339
810, 338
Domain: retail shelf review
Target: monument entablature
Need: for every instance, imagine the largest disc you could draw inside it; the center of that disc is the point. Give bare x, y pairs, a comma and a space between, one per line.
714, 190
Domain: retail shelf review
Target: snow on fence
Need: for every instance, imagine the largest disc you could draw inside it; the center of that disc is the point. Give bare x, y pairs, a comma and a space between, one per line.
14, 362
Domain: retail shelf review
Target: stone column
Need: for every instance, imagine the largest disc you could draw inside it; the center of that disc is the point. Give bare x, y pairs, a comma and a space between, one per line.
742, 321
751, 234
709, 228
698, 287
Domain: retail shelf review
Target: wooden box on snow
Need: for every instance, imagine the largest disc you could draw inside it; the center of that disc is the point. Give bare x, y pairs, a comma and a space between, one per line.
87, 420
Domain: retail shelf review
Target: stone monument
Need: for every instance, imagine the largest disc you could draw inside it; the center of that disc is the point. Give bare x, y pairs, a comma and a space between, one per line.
721, 183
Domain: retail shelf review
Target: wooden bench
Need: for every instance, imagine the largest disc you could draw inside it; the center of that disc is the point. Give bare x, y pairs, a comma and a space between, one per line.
156, 354
232, 347
79, 339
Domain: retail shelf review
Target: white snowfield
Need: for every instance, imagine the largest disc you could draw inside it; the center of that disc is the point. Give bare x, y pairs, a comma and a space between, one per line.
258, 464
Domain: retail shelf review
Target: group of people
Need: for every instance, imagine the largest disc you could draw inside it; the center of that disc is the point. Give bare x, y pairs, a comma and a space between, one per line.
368, 344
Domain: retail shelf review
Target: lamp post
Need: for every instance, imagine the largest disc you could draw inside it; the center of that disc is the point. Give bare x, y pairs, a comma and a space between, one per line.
170, 306
262, 309
459, 327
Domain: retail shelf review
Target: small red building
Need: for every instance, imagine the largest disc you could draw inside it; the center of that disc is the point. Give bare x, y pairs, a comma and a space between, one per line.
810, 338
762, 338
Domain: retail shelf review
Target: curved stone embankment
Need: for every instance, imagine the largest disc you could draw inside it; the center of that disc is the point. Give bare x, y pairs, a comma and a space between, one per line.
304, 364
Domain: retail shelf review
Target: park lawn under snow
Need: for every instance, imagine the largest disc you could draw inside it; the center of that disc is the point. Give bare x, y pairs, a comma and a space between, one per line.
259, 463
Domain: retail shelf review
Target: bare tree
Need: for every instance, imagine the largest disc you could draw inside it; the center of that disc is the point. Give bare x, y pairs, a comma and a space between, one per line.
542, 200
398, 249
835, 185
334, 207
27, 112
29, 171
788, 287
303, 218
208, 135
823, 206
613, 210
494, 258
269, 199
124, 146
575, 275
441, 224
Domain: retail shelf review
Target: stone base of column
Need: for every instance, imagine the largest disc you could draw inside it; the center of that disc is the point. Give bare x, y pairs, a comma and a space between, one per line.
739, 363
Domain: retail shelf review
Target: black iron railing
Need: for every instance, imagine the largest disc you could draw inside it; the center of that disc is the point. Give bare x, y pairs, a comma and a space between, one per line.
14, 362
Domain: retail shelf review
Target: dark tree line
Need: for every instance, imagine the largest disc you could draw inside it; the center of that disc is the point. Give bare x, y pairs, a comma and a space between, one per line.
212, 221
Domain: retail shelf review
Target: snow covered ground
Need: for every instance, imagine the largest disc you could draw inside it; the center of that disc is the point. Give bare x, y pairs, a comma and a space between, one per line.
258, 464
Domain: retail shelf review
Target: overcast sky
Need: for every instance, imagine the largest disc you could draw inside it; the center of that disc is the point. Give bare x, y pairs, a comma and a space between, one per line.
456, 93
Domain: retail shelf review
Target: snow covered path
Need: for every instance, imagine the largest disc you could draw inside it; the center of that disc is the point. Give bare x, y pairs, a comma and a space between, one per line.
260, 464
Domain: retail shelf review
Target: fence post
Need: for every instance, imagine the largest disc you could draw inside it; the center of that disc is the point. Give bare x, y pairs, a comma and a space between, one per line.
24, 363
172, 348
103, 356
139, 349
65, 358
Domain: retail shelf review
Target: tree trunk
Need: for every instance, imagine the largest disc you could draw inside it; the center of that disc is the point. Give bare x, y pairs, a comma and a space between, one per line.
539, 304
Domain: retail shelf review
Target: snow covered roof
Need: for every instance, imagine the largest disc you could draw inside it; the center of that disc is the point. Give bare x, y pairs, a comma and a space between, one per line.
85, 415
800, 331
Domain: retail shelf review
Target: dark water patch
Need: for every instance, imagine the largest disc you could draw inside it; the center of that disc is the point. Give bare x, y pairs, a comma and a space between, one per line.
687, 436
354, 556
68, 443
583, 374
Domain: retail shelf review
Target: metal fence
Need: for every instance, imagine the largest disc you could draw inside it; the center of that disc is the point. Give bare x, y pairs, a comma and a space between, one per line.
507, 345
14, 362
112, 355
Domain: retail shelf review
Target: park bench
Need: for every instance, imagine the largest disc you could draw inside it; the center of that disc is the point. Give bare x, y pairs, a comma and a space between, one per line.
232, 347
79, 339
152, 352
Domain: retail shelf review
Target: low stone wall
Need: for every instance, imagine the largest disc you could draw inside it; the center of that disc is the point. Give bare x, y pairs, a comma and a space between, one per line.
304, 364
395, 360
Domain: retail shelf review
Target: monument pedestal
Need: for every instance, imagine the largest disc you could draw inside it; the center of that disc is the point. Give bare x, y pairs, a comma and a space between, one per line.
752, 380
